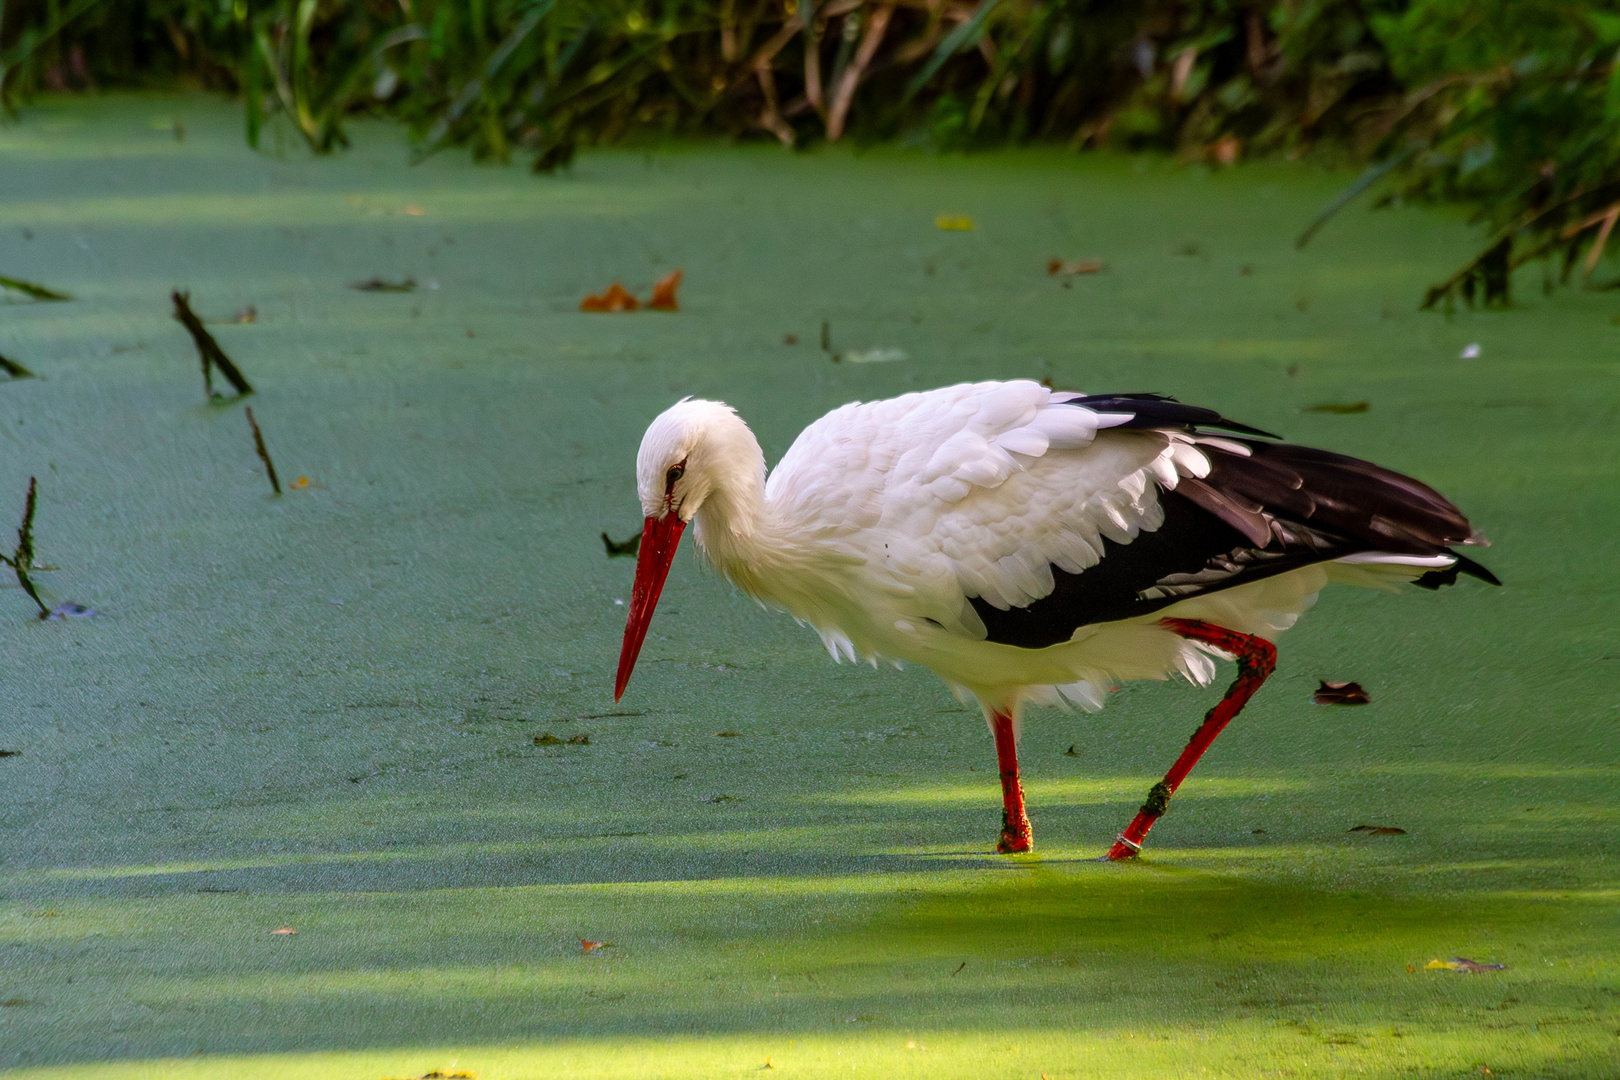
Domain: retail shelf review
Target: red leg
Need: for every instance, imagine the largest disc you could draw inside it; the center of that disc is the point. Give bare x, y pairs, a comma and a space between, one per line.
1256, 657
1015, 834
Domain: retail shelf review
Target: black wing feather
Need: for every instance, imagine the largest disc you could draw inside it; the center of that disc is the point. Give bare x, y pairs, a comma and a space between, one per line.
1159, 411
1278, 508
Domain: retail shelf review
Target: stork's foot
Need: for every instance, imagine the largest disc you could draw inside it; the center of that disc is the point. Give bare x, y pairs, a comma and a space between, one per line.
1123, 849
1016, 838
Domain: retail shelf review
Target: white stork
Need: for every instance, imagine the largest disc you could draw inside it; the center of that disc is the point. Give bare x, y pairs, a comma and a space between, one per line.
1029, 545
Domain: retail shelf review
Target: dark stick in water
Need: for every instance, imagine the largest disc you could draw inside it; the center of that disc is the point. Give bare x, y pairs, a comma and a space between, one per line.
264, 455
22, 560
207, 348
29, 288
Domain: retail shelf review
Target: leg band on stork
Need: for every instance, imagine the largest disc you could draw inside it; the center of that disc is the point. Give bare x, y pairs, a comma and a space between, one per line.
1256, 658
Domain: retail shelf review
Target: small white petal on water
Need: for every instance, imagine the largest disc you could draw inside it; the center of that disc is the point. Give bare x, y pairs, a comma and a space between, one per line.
875, 356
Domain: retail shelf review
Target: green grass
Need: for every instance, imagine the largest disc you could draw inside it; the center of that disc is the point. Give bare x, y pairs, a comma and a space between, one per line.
318, 711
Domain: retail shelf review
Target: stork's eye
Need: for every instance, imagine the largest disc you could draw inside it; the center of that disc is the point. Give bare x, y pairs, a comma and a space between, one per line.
675, 473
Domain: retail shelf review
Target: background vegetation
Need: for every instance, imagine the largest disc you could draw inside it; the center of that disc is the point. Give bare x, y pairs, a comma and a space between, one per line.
1513, 105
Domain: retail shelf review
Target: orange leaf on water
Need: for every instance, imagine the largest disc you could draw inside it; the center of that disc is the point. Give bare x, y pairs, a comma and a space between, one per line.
1060, 268
593, 946
615, 298
663, 297
1225, 150
284, 931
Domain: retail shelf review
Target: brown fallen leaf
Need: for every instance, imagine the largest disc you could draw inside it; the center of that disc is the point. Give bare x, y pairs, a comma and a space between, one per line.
1340, 693
663, 297
1343, 408
1462, 964
728, 734
593, 946
10, 753
579, 740
284, 931
614, 298
1059, 268
548, 739
790, 339
1380, 830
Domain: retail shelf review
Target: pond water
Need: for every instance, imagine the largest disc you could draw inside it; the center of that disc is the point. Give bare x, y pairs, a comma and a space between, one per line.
319, 711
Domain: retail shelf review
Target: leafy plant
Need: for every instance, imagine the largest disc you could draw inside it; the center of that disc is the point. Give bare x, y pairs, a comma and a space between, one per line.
1513, 105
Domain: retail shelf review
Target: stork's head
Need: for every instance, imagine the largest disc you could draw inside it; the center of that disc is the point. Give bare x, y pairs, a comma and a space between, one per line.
686, 452
694, 451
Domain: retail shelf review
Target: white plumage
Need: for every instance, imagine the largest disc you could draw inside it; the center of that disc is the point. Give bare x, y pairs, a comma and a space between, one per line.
897, 528
884, 518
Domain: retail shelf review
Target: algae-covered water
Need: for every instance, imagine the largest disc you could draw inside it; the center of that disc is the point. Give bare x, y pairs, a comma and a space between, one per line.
319, 711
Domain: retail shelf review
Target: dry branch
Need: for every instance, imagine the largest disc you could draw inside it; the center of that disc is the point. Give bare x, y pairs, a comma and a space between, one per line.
208, 349
264, 455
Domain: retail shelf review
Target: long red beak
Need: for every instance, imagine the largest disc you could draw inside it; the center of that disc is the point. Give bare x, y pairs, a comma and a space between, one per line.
659, 539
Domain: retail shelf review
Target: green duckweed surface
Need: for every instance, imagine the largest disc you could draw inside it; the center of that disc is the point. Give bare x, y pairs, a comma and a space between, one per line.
319, 711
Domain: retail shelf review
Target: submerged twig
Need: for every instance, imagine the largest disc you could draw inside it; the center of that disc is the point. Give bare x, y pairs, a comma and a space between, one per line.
208, 349
30, 288
378, 284
21, 560
264, 455
1367, 179
14, 369
1492, 269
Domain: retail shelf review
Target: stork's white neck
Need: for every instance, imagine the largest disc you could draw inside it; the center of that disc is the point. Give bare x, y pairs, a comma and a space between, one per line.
733, 523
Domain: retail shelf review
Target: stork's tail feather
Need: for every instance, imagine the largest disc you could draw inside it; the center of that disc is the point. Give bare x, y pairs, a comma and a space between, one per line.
1434, 579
